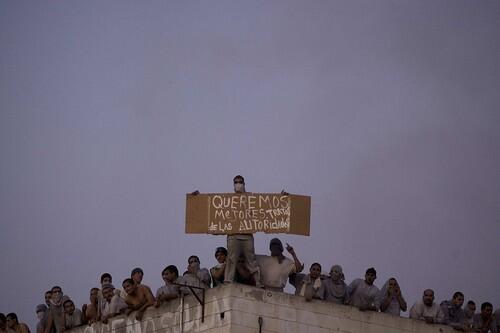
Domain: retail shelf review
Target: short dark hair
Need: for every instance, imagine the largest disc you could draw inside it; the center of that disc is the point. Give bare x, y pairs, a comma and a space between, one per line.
458, 293
136, 270
432, 291
68, 300
371, 270
128, 280
171, 268
239, 177
55, 287
12, 316
471, 303
221, 249
48, 292
106, 275
316, 264
95, 288
2, 317
483, 306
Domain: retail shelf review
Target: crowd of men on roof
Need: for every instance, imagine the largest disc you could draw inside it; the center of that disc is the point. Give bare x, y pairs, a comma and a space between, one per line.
239, 264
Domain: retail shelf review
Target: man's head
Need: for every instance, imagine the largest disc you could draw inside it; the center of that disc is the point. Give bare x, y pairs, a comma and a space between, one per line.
470, 309
239, 184
486, 310
194, 261
393, 283
56, 294
458, 299
40, 311
370, 275
221, 254
428, 297
106, 278
315, 270
69, 306
12, 320
276, 247
336, 273
48, 294
137, 274
94, 295
129, 286
170, 273
108, 291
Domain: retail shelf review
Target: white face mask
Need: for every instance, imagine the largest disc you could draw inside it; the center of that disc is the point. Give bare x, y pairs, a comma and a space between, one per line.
40, 315
239, 188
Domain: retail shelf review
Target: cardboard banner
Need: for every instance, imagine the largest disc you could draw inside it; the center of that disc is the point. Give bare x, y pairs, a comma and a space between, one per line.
246, 213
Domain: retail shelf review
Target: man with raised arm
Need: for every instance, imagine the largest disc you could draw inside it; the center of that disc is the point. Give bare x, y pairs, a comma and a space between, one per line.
56, 311
240, 245
137, 298
391, 298
276, 268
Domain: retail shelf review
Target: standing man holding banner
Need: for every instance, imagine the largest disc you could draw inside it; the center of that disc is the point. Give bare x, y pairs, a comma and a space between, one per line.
241, 244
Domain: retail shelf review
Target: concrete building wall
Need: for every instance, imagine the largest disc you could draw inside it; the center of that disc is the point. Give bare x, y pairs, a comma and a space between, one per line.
237, 309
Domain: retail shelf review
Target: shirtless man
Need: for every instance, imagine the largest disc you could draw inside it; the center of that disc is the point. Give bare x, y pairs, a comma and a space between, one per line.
91, 311
137, 274
138, 299
15, 325
3, 325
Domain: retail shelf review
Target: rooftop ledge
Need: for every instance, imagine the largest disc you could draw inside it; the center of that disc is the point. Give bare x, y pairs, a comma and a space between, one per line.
240, 308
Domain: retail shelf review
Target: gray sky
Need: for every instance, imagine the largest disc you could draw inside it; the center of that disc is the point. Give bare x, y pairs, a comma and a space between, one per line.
384, 112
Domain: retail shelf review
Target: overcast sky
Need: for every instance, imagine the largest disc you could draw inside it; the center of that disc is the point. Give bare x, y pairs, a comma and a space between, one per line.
386, 113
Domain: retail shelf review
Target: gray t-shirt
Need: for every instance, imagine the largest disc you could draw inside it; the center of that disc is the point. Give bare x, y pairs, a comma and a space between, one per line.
420, 311
273, 273
168, 289
336, 292
73, 320
362, 294
114, 306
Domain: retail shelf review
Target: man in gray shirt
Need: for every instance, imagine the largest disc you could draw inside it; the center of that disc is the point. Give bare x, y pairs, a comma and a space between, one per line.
427, 310
484, 322
72, 315
363, 293
113, 303
454, 316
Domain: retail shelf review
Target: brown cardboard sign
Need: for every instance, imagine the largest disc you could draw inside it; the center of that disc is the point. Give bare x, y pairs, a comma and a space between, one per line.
246, 213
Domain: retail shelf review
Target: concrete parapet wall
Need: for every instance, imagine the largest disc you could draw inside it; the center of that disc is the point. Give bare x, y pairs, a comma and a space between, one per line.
236, 308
